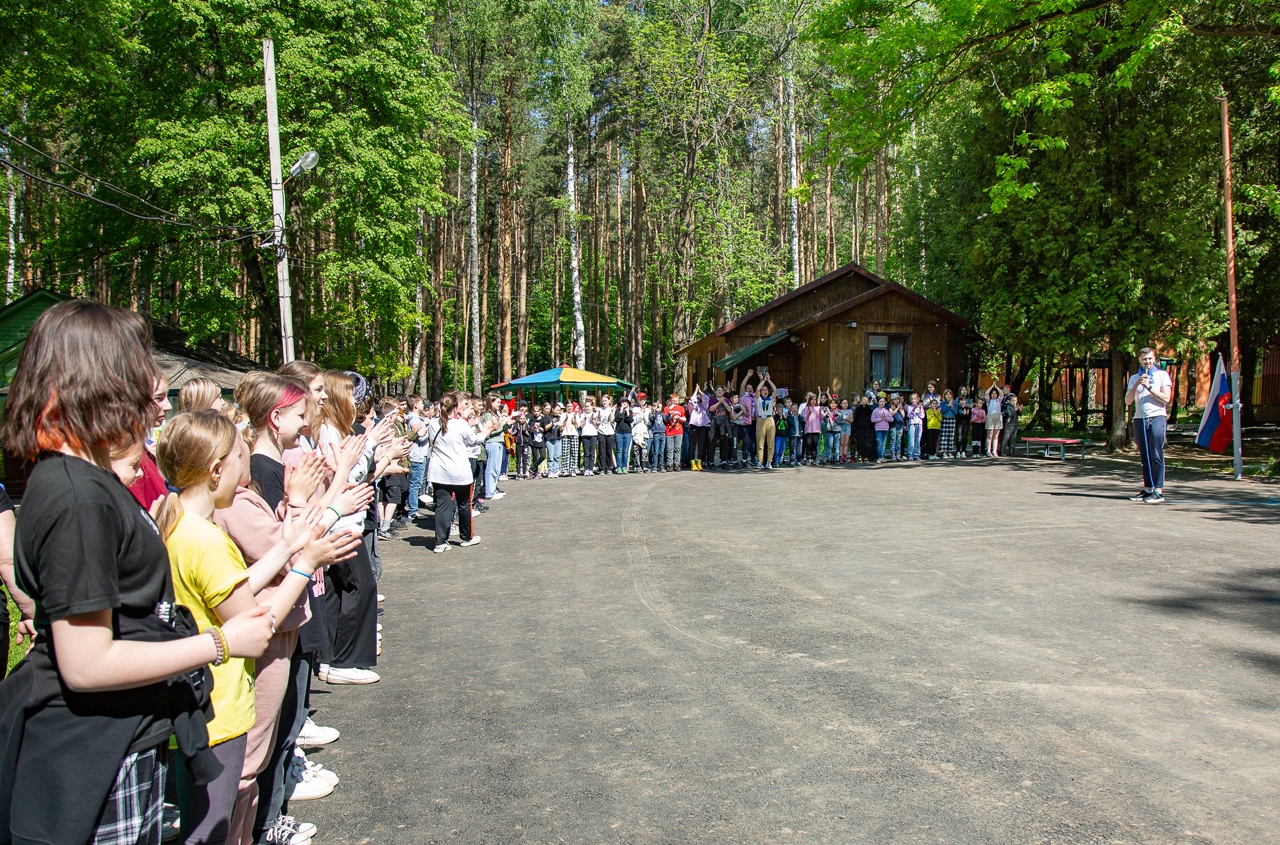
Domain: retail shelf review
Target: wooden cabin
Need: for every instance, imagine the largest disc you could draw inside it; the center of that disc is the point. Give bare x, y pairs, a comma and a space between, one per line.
841, 331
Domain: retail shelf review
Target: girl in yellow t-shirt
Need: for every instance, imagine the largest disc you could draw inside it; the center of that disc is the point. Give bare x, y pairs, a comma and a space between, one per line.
202, 455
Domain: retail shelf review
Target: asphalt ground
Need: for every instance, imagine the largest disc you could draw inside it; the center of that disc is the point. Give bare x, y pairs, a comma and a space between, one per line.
954, 652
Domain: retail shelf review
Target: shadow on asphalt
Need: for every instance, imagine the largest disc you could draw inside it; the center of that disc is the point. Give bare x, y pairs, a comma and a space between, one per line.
1250, 597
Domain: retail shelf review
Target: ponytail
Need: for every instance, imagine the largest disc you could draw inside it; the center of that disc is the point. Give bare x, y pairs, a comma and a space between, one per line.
448, 404
168, 514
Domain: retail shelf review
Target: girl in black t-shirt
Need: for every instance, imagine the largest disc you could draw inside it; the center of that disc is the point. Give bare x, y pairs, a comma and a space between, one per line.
107, 681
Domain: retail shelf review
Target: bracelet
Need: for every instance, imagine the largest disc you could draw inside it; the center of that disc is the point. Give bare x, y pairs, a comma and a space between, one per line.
220, 653
306, 575
337, 513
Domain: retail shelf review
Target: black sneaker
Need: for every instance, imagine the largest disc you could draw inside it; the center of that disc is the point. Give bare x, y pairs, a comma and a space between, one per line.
1154, 499
384, 535
1141, 497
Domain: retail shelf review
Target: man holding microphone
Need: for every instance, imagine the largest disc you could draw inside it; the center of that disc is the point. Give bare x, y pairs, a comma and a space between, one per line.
1149, 392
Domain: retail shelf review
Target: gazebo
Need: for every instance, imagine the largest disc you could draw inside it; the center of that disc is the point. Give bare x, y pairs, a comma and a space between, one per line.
565, 380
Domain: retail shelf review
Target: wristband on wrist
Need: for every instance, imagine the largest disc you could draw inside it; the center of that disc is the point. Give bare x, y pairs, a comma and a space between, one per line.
306, 575
336, 513
220, 651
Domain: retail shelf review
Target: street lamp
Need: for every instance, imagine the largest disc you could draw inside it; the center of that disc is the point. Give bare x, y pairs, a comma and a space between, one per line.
304, 165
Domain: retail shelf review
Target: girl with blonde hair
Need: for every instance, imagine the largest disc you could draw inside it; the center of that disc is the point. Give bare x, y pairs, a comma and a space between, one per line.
200, 394
204, 458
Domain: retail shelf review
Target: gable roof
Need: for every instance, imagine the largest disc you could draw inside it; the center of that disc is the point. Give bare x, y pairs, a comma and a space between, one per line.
882, 287
886, 287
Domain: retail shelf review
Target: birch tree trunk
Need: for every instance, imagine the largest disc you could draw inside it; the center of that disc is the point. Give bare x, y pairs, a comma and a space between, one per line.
12, 276
575, 258
473, 259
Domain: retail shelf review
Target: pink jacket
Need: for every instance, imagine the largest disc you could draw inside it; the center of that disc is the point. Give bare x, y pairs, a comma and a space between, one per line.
255, 528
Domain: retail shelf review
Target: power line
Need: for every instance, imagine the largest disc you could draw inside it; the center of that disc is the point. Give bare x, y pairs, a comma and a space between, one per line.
177, 219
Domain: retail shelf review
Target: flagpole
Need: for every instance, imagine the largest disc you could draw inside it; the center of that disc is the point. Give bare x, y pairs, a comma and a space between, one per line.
1234, 334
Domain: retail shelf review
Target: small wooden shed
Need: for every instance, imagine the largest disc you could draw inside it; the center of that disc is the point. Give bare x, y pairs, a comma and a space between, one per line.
841, 331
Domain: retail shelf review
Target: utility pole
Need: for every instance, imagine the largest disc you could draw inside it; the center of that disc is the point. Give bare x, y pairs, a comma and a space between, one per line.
1234, 334
277, 204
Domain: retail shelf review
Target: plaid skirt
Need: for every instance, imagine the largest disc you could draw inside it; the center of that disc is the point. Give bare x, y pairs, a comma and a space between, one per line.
133, 812
948, 435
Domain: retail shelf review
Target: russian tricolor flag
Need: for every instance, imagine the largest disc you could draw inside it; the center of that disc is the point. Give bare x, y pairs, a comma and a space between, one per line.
1215, 425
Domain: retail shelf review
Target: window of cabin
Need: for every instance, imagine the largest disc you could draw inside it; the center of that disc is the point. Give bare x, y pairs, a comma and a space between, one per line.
887, 354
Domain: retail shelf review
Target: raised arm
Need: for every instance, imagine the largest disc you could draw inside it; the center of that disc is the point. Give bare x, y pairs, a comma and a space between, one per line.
742, 388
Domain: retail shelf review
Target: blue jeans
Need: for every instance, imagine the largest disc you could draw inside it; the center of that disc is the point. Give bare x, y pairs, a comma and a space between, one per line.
624, 450
832, 439
895, 443
417, 469
913, 442
1149, 437
797, 447
779, 447
553, 457
657, 447
495, 464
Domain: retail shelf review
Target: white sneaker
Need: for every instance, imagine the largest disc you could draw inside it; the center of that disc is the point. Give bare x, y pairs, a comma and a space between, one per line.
310, 788
319, 772
496, 496
441, 548
323, 672
351, 676
475, 538
314, 736
379, 627
381, 598
503, 477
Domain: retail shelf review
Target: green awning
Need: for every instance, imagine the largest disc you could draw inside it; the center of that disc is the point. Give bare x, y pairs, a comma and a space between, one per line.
726, 364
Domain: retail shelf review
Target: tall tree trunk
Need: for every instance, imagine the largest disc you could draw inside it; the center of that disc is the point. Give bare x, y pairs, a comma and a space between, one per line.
575, 259
437, 309
473, 257
505, 249
638, 218
556, 355
11, 277
829, 261
1118, 432
882, 208
522, 289
795, 177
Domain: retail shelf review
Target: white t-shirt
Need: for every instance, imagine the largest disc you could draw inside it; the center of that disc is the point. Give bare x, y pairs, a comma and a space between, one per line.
451, 454
605, 426
1145, 402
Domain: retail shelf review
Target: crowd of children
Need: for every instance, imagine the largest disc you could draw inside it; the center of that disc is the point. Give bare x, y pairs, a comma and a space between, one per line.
755, 425
185, 591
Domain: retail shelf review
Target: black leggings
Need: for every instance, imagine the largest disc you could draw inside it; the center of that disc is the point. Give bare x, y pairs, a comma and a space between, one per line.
608, 453
589, 452
811, 445
351, 610
539, 455
452, 499
698, 437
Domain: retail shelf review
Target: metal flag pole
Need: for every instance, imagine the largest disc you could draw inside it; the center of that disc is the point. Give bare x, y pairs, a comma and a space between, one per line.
1234, 334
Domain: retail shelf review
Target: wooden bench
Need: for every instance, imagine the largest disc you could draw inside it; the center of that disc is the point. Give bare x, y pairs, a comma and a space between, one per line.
1061, 443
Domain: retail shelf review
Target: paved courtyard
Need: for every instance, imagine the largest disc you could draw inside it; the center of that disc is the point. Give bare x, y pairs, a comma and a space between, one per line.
999, 652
